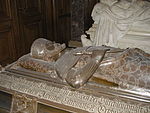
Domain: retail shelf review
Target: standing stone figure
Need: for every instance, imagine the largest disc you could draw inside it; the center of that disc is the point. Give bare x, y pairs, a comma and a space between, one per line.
114, 18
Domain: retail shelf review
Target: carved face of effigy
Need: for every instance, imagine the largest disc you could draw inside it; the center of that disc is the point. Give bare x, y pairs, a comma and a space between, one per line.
46, 50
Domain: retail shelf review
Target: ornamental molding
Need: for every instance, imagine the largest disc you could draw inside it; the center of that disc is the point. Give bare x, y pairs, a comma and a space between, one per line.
68, 97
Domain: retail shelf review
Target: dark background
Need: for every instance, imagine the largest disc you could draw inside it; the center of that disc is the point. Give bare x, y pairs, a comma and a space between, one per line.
23, 21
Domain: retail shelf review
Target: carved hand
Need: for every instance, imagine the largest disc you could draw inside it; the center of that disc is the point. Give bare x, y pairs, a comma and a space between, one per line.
77, 78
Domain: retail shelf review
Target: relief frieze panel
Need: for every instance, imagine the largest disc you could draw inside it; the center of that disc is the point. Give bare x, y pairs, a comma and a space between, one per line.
23, 104
72, 98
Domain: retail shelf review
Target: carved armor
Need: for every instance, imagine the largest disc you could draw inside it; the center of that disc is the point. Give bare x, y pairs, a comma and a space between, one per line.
125, 67
132, 66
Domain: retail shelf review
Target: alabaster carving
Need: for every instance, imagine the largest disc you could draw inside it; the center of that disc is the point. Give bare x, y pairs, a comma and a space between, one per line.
23, 104
115, 20
28, 62
62, 95
125, 67
46, 50
130, 67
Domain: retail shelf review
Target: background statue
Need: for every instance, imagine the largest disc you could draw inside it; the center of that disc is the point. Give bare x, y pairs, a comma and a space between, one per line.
113, 19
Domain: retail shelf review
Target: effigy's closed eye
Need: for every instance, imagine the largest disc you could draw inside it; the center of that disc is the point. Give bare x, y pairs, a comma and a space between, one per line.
50, 46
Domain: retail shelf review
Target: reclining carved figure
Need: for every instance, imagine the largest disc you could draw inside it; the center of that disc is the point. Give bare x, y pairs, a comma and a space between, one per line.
121, 66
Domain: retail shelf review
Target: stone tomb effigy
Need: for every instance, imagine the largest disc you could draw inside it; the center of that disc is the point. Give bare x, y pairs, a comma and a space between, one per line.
86, 79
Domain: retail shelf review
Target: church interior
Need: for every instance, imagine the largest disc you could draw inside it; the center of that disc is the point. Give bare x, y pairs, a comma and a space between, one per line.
24, 21
74, 56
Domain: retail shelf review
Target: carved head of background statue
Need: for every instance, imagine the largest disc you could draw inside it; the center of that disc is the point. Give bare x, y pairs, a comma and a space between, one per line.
109, 2
46, 50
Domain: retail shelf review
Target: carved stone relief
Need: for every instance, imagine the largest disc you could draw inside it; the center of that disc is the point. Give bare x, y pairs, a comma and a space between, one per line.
23, 104
66, 96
